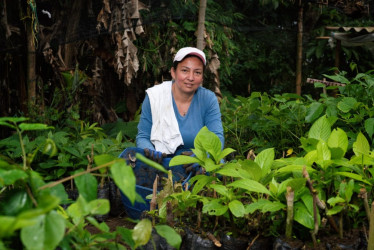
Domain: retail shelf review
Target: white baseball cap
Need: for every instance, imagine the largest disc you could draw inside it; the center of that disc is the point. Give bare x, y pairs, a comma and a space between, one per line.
183, 52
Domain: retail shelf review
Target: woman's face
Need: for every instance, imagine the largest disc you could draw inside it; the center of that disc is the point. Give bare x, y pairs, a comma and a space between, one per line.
189, 74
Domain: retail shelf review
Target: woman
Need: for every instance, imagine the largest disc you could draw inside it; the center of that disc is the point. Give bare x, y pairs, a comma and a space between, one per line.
185, 108
173, 112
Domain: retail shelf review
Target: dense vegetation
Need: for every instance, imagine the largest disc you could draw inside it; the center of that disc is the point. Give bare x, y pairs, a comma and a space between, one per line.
292, 161
283, 153
77, 70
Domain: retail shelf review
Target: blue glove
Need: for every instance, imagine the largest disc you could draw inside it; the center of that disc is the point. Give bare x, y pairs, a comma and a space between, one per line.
193, 168
154, 155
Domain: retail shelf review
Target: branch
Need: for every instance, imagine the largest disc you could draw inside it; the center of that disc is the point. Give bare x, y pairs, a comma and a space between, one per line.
76, 175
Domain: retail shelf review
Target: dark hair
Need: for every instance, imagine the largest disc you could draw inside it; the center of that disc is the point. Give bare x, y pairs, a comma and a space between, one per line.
175, 64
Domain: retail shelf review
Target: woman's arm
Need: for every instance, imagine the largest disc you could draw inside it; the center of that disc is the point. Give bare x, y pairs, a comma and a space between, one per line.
213, 118
143, 138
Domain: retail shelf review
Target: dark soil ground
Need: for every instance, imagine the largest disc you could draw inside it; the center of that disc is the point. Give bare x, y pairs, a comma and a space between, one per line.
356, 239
113, 223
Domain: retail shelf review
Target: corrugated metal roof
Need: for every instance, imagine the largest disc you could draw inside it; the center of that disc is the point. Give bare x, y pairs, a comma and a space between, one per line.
352, 29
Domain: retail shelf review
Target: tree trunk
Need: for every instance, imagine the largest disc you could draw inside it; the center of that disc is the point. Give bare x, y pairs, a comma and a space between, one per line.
299, 59
31, 64
72, 29
201, 25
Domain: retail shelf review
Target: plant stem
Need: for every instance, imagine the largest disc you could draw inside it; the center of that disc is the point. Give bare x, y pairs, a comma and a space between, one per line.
24, 156
199, 207
316, 201
341, 225
213, 239
371, 229
290, 195
76, 175
169, 214
28, 190
364, 195
153, 202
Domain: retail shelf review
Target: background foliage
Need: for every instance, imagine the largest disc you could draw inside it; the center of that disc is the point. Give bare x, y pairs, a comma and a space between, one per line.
255, 42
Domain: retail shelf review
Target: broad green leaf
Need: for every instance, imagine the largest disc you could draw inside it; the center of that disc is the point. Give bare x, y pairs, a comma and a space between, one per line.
273, 207
347, 104
323, 151
6, 124
264, 206
355, 207
297, 183
60, 192
221, 189
233, 170
265, 159
353, 176
308, 144
334, 210
295, 168
13, 119
142, 232
103, 159
362, 160
303, 216
172, 237
225, 152
46, 233
237, 208
126, 236
338, 139
256, 205
273, 187
9, 177
361, 145
335, 200
252, 168
210, 165
319, 85
78, 209
214, 207
124, 177
10, 224
33, 236
338, 78
313, 112
33, 126
182, 159
201, 182
101, 226
99, 206
14, 202
346, 190
54, 230
311, 157
151, 163
87, 186
250, 185
369, 126
209, 142
320, 130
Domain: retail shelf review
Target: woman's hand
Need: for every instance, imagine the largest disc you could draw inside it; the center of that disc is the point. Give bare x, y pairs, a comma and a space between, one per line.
195, 168
154, 155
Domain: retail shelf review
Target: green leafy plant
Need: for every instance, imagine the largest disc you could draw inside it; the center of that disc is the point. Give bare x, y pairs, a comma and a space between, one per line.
30, 211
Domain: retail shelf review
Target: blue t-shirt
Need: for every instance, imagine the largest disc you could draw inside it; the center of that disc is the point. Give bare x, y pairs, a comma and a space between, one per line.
203, 111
